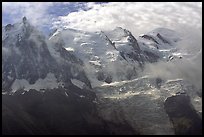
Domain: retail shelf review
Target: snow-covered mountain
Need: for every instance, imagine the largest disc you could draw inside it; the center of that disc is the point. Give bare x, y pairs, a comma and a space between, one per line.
116, 55
28, 62
102, 61
92, 58
97, 77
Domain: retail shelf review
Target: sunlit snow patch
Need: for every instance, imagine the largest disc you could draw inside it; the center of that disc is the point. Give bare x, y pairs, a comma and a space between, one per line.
69, 49
50, 82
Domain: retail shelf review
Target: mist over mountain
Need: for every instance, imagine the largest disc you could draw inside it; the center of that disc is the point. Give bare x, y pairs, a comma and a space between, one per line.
100, 82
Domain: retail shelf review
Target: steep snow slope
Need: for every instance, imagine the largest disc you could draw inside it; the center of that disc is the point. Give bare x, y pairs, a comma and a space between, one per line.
161, 41
102, 61
126, 44
117, 55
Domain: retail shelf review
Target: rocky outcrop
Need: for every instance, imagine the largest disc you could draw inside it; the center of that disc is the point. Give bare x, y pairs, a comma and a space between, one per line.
185, 119
56, 112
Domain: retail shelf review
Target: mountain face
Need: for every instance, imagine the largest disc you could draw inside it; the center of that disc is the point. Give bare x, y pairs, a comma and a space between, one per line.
78, 82
115, 55
27, 58
45, 89
152, 106
102, 61
92, 58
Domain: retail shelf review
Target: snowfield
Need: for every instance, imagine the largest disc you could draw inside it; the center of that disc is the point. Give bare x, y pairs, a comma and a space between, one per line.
50, 82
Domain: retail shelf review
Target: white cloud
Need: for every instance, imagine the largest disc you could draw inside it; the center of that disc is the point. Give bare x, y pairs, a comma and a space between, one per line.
189, 70
138, 17
36, 12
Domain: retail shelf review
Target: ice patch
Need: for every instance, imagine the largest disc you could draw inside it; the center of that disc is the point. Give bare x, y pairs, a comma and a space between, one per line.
174, 80
96, 63
78, 83
82, 96
69, 49
50, 82
120, 83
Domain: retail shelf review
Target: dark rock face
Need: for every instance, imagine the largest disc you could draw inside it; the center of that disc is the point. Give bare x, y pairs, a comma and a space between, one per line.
183, 116
136, 53
158, 39
8, 27
51, 112
100, 76
158, 83
108, 79
24, 20
149, 38
163, 40
55, 112
151, 57
104, 77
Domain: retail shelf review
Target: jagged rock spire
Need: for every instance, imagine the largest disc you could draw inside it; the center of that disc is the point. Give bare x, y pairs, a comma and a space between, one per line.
24, 19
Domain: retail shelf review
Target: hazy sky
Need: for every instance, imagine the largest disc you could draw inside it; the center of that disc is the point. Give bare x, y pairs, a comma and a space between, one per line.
138, 17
